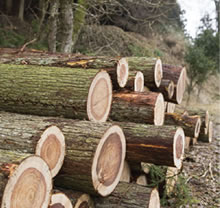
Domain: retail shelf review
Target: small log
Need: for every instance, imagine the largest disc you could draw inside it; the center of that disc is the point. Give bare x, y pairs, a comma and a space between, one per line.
126, 173
29, 185
170, 107
29, 134
142, 180
135, 82
77, 199
206, 134
150, 67
60, 200
54, 91
178, 76
147, 107
166, 88
130, 195
94, 158
154, 144
190, 124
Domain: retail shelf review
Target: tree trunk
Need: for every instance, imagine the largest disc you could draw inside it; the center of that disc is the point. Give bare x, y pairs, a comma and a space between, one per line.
116, 67
66, 23
21, 10
166, 88
29, 185
94, 158
8, 6
206, 133
52, 23
129, 195
153, 144
31, 134
135, 82
190, 124
138, 107
54, 91
150, 67
178, 76
78, 199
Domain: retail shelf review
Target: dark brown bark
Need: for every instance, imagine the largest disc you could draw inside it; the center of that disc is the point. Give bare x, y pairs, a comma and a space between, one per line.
130, 195
190, 124
54, 91
147, 107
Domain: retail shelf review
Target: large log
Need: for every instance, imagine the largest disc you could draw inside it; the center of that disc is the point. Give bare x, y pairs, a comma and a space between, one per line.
190, 124
29, 185
147, 107
30, 134
130, 195
116, 67
154, 144
78, 199
150, 67
54, 91
178, 76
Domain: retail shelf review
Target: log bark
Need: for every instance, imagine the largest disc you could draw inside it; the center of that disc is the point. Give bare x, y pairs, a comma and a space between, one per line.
178, 76
116, 67
167, 89
29, 185
190, 124
145, 107
170, 107
135, 82
78, 199
150, 67
128, 195
154, 144
54, 91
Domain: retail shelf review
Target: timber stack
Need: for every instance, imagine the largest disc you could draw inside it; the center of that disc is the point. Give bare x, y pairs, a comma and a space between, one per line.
95, 126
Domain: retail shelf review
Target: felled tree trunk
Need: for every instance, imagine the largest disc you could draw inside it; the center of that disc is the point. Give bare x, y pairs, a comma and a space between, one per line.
206, 133
150, 67
77, 199
154, 144
190, 124
54, 91
178, 76
166, 88
29, 185
147, 107
130, 195
135, 82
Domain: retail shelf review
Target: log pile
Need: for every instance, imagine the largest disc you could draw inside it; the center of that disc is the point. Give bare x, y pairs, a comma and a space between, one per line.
90, 125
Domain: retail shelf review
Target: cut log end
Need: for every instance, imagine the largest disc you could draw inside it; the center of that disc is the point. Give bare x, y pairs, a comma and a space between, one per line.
99, 97
51, 147
139, 82
126, 173
210, 131
207, 119
158, 72
171, 107
159, 110
171, 179
84, 201
60, 200
178, 147
108, 161
197, 127
180, 86
170, 89
30, 185
142, 180
154, 201
122, 72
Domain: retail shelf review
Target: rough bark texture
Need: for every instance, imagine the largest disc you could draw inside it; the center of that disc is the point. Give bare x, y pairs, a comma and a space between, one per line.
137, 107
152, 144
166, 88
147, 67
127, 195
50, 91
188, 123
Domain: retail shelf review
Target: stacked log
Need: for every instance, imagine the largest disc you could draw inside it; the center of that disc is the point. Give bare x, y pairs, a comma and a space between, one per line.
108, 117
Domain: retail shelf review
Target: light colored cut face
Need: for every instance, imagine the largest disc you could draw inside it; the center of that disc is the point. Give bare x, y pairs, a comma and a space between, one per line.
158, 72
197, 128
171, 90
60, 200
84, 201
154, 199
122, 72
139, 82
84, 205
99, 98
159, 111
210, 131
29, 191
180, 87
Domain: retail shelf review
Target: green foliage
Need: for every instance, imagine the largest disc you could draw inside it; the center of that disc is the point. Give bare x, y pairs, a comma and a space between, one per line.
158, 53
